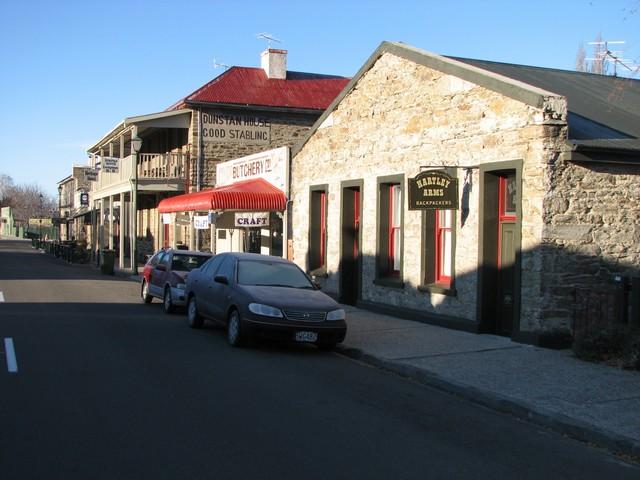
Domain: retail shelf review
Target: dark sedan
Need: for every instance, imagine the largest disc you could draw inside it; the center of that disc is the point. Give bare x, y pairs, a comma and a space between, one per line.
263, 296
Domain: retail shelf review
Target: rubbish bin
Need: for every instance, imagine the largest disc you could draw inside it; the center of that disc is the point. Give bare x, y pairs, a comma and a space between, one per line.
107, 260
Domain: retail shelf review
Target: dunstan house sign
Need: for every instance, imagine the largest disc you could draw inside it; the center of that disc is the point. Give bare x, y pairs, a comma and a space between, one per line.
432, 190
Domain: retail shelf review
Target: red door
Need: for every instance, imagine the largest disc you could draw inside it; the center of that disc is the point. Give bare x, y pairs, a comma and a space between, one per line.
507, 220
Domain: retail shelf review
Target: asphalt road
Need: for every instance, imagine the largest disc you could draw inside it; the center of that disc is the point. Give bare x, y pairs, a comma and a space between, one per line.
110, 388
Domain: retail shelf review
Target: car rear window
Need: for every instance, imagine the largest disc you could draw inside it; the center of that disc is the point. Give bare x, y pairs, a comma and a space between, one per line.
186, 263
254, 272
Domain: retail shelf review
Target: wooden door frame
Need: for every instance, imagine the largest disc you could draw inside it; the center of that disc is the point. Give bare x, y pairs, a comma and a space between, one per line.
348, 184
486, 307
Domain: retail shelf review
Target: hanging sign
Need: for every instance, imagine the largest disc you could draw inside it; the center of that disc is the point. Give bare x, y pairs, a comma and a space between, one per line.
201, 222
252, 219
433, 190
84, 199
90, 174
110, 164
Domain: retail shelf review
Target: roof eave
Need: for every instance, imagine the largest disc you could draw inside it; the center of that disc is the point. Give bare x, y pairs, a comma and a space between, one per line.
253, 107
592, 154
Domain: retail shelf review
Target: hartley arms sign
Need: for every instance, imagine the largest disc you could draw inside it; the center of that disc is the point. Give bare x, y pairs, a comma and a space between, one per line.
433, 190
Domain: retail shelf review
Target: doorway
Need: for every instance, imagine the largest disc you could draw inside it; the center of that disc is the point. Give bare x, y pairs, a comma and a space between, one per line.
499, 279
350, 240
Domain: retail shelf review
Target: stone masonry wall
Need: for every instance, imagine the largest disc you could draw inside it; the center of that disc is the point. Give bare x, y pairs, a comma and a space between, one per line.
592, 232
402, 115
286, 130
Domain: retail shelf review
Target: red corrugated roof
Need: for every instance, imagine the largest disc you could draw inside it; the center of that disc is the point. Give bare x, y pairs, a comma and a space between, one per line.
251, 86
254, 195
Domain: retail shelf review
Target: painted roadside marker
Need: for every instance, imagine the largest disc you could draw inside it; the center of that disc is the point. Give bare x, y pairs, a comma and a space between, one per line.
1, 297
12, 364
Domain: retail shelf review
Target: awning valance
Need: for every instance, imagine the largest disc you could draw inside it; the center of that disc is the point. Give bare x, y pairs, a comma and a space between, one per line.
254, 195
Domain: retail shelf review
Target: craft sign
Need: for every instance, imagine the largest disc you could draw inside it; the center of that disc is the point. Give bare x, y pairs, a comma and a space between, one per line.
252, 219
201, 222
433, 190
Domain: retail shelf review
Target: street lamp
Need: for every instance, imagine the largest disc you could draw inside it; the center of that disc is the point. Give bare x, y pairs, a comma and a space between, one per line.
40, 217
136, 145
60, 212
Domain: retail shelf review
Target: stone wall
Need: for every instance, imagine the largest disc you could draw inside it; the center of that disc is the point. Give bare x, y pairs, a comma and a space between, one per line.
592, 232
400, 116
286, 129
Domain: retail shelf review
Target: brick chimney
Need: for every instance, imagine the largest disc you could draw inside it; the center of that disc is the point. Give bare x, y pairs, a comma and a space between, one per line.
274, 63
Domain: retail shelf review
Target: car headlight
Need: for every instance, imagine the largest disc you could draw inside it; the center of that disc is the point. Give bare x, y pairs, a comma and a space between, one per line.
266, 310
181, 286
336, 315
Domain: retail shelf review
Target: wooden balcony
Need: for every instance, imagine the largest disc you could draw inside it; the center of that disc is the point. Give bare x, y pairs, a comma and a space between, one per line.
156, 172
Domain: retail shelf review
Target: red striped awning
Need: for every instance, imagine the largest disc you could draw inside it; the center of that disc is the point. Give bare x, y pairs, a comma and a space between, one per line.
254, 195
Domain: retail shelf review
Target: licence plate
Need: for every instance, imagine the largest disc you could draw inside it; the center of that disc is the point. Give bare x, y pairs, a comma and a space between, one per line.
306, 336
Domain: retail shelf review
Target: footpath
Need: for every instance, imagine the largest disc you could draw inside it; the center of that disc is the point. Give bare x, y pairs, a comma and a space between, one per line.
593, 403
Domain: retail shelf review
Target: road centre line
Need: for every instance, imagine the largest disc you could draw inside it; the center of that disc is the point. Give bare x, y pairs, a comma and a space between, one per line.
12, 364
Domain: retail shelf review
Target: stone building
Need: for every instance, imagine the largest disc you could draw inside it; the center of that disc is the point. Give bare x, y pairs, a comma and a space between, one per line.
243, 111
471, 194
73, 206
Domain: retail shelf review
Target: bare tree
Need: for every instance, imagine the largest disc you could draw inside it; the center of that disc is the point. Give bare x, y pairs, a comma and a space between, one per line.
6, 184
581, 59
26, 201
599, 61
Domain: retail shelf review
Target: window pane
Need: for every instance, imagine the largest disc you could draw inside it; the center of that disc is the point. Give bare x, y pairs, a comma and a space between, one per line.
397, 206
446, 253
510, 195
396, 249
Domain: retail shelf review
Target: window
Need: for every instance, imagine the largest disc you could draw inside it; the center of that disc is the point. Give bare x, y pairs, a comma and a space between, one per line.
508, 197
438, 250
395, 215
390, 218
318, 230
227, 268
210, 267
444, 246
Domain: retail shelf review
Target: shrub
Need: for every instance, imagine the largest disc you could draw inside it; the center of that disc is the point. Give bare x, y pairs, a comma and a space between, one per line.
617, 345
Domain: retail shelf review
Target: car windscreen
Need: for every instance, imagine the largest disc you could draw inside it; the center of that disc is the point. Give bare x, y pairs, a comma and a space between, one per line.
277, 274
186, 263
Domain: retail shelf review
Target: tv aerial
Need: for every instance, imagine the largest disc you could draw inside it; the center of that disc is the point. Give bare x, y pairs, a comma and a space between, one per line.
269, 38
218, 65
603, 54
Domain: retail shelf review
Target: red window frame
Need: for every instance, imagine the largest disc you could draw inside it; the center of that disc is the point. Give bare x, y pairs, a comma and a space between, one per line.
323, 229
441, 232
356, 222
392, 230
502, 203
503, 215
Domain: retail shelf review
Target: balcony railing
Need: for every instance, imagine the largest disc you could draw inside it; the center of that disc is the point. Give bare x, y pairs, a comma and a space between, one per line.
151, 166
161, 165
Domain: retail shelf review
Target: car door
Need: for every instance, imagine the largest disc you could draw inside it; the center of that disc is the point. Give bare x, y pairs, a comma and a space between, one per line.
219, 292
202, 285
159, 275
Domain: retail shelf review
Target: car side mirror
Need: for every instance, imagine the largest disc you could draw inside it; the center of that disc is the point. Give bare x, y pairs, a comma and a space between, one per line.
162, 268
221, 279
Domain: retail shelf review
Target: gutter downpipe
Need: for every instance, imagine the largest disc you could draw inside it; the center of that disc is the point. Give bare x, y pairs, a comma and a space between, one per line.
196, 233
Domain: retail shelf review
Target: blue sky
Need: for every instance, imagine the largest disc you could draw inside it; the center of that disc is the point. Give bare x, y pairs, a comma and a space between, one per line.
71, 70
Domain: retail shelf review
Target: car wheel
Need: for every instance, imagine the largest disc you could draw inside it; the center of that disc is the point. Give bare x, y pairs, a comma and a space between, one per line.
167, 303
193, 317
327, 346
234, 330
144, 292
